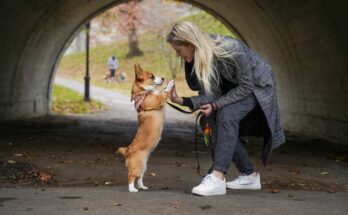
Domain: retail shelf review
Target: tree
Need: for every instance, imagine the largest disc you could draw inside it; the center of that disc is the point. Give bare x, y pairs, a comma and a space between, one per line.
129, 21
153, 16
158, 17
124, 20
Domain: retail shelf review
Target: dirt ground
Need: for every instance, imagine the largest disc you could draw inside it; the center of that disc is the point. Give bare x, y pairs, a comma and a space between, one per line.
64, 151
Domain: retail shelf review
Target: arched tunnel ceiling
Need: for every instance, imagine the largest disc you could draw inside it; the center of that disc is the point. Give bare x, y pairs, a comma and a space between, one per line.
305, 41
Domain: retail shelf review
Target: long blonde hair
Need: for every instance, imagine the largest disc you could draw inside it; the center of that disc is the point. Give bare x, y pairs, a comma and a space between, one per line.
206, 50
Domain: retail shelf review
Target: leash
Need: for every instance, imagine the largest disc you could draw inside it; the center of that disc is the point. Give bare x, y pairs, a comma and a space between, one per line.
196, 145
179, 109
196, 133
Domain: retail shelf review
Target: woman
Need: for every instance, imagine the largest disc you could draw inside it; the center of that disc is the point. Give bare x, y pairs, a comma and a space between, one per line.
232, 81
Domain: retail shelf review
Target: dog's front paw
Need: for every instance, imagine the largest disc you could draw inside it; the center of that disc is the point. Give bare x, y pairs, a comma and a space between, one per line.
170, 86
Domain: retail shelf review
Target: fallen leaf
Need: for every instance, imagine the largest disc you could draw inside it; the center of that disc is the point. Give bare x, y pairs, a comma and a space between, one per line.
330, 191
152, 174
11, 161
18, 155
108, 183
175, 205
324, 173
205, 207
44, 176
178, 164
116, 204
66, 161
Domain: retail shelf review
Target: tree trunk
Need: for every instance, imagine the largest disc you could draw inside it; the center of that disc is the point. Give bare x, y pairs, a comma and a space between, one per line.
133, 44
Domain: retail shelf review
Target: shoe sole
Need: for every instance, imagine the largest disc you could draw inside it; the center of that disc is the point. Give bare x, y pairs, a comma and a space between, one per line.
243, 188
202, 193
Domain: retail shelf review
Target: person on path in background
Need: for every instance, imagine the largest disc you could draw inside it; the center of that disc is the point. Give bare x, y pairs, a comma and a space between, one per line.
113, 66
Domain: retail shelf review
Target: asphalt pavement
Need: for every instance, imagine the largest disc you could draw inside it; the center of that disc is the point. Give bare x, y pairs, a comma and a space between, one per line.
117, 200
306, 181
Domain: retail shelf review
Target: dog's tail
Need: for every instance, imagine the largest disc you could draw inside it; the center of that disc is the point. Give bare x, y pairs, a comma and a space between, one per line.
122, 151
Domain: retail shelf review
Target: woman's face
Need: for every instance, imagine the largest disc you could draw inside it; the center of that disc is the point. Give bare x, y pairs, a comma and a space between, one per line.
186, 52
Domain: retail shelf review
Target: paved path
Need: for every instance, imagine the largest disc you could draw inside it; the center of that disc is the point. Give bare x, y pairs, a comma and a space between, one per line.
173, 161
116, 200
120, 106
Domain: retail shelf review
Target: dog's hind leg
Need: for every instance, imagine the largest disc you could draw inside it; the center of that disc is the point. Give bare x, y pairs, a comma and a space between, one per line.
140, 183
134, 172
140, 179
131, 180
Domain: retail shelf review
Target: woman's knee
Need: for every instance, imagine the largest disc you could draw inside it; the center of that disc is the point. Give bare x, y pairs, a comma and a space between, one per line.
227, 114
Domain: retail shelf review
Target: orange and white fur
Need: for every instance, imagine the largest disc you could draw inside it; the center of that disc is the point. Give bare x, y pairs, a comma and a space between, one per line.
150, 124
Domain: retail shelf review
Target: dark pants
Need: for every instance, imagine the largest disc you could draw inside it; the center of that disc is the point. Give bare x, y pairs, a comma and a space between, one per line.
228, 146
112, 72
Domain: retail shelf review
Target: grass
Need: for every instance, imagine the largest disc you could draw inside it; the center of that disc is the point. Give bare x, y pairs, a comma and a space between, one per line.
72, 66
66, 101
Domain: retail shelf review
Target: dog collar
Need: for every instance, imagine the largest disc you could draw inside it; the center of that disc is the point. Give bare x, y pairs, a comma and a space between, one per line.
139, 98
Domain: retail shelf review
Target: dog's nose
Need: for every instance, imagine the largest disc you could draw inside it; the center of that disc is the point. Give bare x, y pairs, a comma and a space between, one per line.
162, 79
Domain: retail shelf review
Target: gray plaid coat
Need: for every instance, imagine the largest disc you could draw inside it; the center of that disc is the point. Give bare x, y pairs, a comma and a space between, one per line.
251, 74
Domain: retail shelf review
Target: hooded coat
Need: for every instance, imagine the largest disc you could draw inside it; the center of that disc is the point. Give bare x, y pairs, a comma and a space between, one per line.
248, 73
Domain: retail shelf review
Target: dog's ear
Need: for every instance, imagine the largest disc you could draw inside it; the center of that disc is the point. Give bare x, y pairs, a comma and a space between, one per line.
138, 72
140, 68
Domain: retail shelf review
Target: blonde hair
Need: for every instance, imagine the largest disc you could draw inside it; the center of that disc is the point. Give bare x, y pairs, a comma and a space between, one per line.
207, 49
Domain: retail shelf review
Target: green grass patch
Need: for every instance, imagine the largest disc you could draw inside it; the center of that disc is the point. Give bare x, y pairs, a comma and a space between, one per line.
66, 101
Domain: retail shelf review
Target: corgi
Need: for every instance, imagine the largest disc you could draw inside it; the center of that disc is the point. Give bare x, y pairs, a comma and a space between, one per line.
149, 102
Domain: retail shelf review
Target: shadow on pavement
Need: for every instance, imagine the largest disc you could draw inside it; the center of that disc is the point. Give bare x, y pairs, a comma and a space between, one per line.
57, 151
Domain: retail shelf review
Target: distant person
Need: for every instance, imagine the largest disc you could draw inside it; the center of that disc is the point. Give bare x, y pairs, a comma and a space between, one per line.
113, 65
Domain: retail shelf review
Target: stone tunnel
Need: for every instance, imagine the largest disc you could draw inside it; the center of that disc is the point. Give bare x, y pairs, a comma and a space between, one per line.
304, 40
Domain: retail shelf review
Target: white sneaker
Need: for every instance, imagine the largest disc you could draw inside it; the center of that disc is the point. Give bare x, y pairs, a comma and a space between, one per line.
245, 182
210, 186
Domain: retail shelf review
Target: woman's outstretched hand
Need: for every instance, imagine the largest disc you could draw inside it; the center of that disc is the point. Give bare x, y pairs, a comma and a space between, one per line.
174, 97
170, 86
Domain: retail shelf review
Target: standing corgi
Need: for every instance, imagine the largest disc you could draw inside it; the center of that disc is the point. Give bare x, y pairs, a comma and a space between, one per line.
149, 102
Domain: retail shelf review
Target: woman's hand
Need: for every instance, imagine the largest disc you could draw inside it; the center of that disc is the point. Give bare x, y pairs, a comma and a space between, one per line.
170, 86
207, 109
174, 97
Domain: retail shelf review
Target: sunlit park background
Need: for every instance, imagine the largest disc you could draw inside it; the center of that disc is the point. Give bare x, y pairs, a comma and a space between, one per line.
134, 32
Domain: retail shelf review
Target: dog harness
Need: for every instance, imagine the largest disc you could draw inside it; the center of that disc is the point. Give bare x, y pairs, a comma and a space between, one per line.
139, 98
